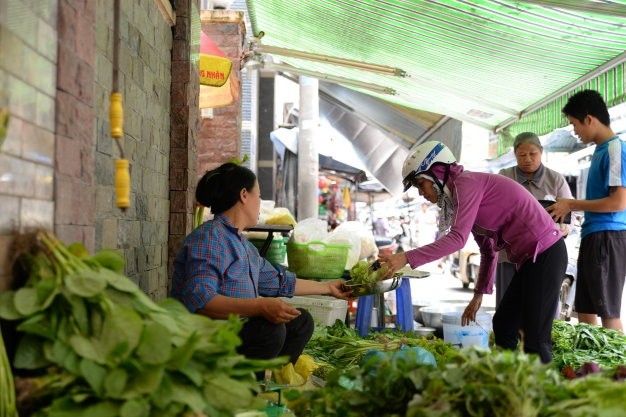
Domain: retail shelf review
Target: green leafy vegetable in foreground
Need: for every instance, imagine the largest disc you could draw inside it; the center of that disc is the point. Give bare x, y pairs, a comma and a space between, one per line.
95, 345
575, 345
476, 383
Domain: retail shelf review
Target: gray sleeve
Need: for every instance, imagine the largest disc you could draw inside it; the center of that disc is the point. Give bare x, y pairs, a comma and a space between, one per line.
563, 188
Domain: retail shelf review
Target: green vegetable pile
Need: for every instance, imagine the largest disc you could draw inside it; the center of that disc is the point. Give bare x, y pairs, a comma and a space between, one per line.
361, 273
7, 388
476, 383
508, 383
574, 345
363, 280
341, 347
93, 344
380, 387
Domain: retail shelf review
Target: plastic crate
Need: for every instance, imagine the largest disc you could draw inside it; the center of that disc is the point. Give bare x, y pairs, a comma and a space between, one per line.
324, 309
277, 250
317, 259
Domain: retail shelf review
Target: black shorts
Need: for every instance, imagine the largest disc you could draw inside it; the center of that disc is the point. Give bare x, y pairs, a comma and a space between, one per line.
600, 275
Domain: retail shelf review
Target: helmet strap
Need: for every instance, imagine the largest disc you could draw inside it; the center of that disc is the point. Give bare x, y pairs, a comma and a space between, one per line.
446, 175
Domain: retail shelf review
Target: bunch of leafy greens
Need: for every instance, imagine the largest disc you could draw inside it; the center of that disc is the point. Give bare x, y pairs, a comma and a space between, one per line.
341, 347
474, 383
364, 280
574, 345
8, 407
380, 387
93, 344
362, 273
509, 383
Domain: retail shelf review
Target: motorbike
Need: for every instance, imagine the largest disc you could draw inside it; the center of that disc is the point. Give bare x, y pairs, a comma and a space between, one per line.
465, 263
567, 294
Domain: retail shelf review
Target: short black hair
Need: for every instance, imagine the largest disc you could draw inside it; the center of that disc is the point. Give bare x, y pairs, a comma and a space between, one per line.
587, 103
219, 188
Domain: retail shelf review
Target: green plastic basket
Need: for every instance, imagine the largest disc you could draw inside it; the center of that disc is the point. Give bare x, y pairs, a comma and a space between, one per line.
317, 259
276, 252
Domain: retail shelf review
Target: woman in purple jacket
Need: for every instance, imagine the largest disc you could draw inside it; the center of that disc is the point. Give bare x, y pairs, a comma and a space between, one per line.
501, 215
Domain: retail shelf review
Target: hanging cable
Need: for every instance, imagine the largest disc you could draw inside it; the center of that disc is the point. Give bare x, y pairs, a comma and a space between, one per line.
116, 119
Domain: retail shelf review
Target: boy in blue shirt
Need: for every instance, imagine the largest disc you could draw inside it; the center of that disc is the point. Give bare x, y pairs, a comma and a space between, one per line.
601, 265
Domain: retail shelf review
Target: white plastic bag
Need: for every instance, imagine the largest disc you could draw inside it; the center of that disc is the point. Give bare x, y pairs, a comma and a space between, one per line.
347, 237
311, 229
368, 243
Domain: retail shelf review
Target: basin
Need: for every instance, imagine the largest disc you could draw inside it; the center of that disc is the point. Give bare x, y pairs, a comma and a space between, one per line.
418, 304
433, 314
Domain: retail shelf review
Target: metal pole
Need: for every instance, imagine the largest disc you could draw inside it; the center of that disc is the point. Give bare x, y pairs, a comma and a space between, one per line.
308, 155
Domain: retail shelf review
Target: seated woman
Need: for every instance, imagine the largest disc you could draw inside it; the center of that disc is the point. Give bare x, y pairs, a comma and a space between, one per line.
218, 272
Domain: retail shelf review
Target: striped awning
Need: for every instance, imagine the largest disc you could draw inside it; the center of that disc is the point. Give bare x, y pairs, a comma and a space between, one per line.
508, 66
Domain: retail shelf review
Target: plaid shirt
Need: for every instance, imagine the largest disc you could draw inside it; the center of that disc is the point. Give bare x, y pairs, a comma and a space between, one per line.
216, 260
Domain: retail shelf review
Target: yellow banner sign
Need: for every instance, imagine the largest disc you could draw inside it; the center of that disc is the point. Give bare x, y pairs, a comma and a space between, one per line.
214, 70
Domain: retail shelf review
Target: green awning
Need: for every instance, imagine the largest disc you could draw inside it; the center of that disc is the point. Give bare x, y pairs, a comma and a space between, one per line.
480, 61
549, 117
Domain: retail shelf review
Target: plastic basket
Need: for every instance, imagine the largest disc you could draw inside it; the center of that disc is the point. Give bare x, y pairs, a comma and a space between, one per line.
324, 309
276, 252
317, 259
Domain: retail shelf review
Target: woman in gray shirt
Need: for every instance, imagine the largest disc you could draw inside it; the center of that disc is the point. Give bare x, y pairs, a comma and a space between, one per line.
542, 182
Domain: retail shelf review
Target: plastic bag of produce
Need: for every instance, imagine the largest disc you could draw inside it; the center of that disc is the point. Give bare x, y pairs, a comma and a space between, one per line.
368, 243
309, 230
345, 237
280, 216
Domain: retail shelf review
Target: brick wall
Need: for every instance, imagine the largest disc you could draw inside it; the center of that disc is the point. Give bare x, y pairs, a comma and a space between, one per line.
28, 57
184, 127
219, 138
141, 232
74, 168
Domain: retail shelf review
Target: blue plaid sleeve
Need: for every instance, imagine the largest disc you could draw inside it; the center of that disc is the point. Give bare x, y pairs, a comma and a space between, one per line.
275, 281
198, 269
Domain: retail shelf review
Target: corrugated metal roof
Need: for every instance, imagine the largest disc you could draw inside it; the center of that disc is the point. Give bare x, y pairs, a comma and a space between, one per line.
481, 61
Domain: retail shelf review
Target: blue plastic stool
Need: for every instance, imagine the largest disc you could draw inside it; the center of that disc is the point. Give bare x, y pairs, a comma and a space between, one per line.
404, 304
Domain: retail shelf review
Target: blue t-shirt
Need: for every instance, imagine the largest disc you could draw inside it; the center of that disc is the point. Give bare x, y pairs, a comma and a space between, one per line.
608, 169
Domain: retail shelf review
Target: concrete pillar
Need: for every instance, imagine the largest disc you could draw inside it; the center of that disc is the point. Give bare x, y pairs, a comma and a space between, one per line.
308, 155
265, 163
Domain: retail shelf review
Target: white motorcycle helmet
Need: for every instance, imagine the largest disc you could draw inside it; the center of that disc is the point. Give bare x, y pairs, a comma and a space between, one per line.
423, 158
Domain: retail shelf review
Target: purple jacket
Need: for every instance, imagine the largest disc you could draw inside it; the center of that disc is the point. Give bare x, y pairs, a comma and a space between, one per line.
501, 214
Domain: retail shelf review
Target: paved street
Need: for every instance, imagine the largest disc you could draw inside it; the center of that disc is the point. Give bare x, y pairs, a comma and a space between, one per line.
442, 286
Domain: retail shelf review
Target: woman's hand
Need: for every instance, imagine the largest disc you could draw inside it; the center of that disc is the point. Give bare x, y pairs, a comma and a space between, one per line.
277, 311
338, 290
393, 262
559, 210
469, 315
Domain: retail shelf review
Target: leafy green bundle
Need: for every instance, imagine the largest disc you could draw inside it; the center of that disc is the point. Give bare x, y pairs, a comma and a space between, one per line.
341, 347
362, 273
7, 388
99, 347
574, 345
475, 383
364, 280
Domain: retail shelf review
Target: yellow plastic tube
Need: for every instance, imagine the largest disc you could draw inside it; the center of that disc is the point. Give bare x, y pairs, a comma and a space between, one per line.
116, 115
122, 183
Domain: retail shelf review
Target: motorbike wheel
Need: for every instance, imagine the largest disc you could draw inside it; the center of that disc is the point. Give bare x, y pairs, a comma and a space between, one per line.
564, 310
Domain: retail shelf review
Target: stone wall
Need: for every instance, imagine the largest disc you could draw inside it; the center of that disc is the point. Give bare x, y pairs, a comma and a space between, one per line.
28, 57
141, 231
